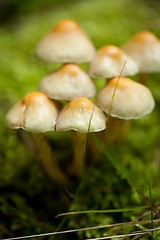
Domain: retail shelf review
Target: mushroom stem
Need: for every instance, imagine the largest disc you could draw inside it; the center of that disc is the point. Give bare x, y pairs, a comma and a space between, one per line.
143, 78
115, 131
79, 148
50, 167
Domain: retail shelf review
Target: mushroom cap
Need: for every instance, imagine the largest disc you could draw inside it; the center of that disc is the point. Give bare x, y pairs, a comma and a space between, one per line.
76, 115
67, 83
132, 100
65, 43
144, 48
109, 61
34, 113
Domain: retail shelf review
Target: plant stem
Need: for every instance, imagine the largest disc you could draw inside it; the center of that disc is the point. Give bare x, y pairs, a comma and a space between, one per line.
50, 165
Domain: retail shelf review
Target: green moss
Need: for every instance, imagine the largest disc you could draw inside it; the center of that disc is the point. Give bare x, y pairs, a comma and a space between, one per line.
28, 200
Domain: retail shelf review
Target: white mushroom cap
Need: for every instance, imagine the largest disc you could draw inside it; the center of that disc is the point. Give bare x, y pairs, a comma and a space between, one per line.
76, 115
65, 43
109, 61
34, 113
132, 100
144, 48
67, 83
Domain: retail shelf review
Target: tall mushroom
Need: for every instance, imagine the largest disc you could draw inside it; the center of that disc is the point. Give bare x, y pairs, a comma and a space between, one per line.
38, 114
77, 115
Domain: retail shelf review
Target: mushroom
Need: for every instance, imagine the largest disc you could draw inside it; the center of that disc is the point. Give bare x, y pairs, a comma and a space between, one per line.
38, 114
82, 116
34, 113
144, 48
108, 63
67, 83
66, 43
132, 100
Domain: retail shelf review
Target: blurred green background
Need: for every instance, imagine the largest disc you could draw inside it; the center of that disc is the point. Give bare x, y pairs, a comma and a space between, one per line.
28, 200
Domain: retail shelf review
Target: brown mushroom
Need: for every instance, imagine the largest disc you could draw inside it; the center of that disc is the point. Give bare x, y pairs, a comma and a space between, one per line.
108, 63
82, 116
67, 83
38, 114
132, 100
66, 43
144, 48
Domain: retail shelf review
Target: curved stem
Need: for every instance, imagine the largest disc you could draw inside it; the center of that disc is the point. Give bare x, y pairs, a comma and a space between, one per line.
50, 165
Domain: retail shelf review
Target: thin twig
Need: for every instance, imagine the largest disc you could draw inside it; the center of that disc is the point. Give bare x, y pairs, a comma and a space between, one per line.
126, 235
78, 230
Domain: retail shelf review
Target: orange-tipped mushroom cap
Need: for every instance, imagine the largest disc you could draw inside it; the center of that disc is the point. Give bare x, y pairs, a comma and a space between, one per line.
67, 83
144, 48
108, 63
66, 43
34, 113
132, 100
76, 115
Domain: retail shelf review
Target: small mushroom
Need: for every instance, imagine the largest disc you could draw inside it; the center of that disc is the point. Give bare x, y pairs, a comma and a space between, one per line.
69, 82
132, 100
34, 113
78, 115
108, 63
38, 114
144, 48
66, 43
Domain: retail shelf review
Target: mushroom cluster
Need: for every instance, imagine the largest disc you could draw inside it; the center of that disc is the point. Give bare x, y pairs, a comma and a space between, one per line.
38, 112
131, 100
67, 43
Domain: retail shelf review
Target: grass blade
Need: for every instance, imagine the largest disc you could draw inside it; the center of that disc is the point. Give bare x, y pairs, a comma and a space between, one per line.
110, 106
103, 211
